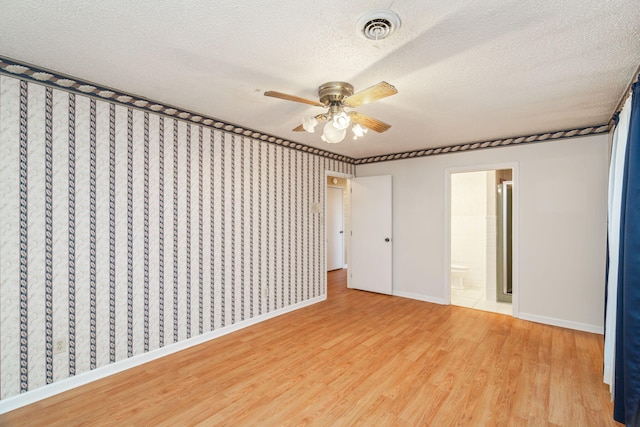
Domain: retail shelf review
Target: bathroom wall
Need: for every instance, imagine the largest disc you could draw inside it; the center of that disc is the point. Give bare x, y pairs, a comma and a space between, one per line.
125, 230
469, 225
562, 200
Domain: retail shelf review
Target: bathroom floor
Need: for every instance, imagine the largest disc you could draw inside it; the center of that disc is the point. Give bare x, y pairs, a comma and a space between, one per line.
473, 297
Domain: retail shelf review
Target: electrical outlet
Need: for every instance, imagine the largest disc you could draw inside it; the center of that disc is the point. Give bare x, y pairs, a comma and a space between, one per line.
265, 291
59, 345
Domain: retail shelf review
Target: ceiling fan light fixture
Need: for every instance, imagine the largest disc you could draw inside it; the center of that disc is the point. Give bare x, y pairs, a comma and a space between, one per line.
309, 124
341, 121
358, 131
336, 96
331, 134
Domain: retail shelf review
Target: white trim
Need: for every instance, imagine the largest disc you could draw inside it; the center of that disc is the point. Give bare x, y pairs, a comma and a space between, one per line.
67, 384
329, 172
344, 231
578, 326
514, 166
425, 298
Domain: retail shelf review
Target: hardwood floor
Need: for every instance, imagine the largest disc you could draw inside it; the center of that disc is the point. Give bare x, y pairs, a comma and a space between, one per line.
357, 359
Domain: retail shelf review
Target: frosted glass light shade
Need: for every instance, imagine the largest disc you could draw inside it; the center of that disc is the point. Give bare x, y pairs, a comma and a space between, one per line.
331, 134
341, 121
358, 131
309, 124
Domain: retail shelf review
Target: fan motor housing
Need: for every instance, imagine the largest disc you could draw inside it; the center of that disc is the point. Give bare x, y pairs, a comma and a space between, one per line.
333, 92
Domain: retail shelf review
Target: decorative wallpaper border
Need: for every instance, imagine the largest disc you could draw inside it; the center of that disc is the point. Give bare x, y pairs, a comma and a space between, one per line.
540, 137
40, 75
37, 74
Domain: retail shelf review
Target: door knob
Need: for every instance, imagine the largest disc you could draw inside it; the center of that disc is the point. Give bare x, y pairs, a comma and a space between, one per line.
386, 239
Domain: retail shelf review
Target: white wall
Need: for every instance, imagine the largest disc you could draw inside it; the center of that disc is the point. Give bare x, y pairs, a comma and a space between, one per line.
562, 226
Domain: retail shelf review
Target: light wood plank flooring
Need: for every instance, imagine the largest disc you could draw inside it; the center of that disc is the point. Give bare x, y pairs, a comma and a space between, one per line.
357, 359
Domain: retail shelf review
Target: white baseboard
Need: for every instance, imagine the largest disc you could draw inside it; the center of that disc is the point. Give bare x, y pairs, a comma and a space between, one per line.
418, 297
578, 326
61, 386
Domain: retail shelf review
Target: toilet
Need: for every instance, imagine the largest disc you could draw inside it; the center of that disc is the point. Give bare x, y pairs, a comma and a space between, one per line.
457, 275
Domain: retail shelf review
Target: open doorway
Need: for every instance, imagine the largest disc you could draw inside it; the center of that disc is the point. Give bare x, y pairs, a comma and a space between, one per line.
366, 234
337, 222
481, 239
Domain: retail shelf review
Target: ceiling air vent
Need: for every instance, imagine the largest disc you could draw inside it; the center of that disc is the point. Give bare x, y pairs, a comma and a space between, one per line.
378, 24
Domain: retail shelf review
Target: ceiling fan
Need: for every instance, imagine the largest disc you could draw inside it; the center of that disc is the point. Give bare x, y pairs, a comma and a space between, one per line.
336, 96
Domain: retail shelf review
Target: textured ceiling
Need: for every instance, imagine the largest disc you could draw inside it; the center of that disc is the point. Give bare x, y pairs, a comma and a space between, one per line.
465, 70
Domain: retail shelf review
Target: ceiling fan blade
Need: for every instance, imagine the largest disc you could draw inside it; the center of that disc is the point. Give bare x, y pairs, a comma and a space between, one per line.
298, 129
366, 96
368, 122
287, 97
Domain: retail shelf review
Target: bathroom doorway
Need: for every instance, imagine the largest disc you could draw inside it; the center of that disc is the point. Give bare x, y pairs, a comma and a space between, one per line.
480, 239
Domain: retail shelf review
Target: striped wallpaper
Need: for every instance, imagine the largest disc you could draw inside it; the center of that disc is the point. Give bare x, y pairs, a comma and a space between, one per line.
124, 230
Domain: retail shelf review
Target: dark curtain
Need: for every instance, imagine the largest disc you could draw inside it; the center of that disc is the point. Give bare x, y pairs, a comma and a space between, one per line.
627, 356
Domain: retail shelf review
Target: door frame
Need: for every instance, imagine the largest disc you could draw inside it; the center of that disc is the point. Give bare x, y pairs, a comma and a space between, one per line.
347, 230
515, 252
343, 247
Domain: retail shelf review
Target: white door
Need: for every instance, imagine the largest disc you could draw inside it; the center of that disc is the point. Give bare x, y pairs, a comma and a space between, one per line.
371, 245
335, 230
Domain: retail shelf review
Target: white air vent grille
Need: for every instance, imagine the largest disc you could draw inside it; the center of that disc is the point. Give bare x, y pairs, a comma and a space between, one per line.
378, 24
